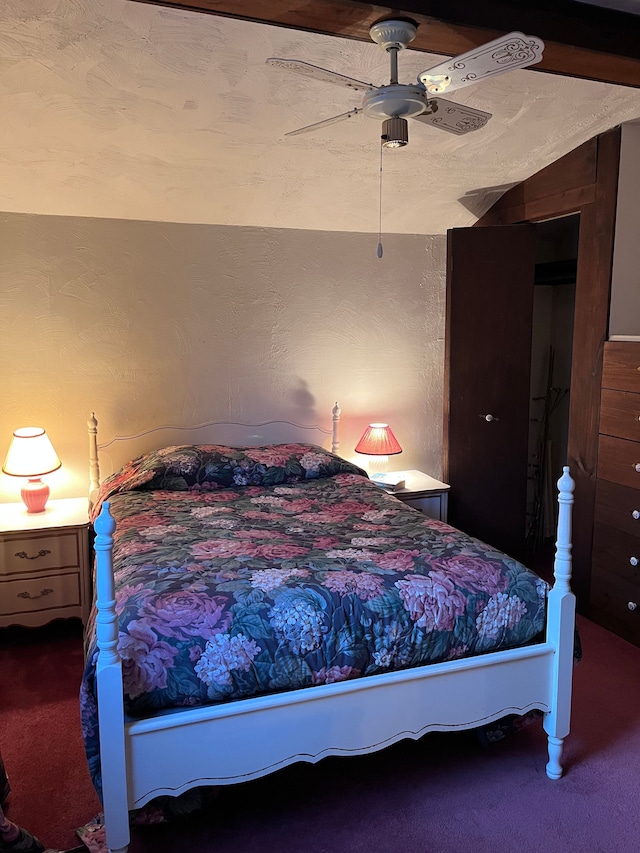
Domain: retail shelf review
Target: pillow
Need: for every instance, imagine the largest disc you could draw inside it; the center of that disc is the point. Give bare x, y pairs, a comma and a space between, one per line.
190, 467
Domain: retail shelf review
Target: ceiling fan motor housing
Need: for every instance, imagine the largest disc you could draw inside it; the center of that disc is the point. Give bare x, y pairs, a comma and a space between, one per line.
394, 101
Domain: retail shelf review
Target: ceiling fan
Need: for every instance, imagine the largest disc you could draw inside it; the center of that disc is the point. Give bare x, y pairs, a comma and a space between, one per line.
395, 102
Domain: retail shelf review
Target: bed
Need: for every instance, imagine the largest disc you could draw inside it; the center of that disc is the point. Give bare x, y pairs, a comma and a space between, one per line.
263, 603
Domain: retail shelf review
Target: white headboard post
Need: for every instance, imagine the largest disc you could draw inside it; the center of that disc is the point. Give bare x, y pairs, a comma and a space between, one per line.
94, 465
335, 441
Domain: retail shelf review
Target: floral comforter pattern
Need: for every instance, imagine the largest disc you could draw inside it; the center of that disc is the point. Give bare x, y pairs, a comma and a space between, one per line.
240, 591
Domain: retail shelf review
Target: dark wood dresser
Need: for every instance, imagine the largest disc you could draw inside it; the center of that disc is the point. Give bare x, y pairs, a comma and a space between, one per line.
615, 580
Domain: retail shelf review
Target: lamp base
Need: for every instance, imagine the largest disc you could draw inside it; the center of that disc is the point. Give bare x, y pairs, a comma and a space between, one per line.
378, 465
35, 495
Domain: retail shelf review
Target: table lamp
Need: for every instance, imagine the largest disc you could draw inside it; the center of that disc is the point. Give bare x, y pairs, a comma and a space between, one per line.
31, 455
378, 441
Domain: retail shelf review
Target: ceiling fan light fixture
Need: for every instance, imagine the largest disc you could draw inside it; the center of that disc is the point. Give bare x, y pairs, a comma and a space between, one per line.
395, 133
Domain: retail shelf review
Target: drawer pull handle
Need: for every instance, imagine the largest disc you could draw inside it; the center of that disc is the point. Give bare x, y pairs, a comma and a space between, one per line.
635, 513
24, 556
637, 467
633, 561
490, 418
28, 595
632, 605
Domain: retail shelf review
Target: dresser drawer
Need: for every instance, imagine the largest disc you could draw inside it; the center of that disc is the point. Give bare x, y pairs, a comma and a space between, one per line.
621, 366
619, 461
620, 414
24, 552
610, 599
618, 551
618, 506
42, 593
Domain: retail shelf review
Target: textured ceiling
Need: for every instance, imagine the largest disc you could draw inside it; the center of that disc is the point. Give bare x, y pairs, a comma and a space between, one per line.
125, 110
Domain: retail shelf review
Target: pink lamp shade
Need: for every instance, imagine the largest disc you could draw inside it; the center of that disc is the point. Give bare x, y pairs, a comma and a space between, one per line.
378, 440
31, 455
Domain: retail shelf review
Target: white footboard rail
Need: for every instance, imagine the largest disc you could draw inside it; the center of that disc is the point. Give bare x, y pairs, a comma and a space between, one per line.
173, 752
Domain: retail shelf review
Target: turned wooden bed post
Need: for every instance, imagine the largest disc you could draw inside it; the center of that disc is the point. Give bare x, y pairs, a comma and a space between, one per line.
335, 441
94, 464
561, 631
109, 681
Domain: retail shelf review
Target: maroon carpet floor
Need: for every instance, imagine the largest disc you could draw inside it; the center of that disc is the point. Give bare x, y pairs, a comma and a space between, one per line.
444, 794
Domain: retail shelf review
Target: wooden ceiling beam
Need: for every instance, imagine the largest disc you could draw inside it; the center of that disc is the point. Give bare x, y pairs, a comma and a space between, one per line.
584, 41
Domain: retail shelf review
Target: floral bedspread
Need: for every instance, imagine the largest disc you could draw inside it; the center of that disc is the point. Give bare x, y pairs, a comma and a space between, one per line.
226, 590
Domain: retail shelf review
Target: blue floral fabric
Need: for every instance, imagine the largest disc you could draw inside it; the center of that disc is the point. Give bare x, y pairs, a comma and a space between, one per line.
232, 592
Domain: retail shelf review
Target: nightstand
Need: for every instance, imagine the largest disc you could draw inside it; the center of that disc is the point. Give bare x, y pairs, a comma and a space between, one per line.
44, 563
423, 492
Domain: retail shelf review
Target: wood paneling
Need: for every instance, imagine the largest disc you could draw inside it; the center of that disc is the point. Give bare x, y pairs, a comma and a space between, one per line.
581, 41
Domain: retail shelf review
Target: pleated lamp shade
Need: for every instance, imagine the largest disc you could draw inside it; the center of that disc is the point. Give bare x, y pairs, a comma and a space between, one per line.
378, 440
31, 455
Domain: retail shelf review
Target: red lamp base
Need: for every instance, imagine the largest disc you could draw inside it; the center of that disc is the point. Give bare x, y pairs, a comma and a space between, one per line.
35, 495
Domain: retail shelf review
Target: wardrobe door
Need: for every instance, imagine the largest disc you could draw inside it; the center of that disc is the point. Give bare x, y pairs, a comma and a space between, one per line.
490, 276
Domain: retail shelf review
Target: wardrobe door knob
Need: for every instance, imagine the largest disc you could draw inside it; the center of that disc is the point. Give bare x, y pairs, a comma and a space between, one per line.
635, 514
633, 561
637, 467
632, 605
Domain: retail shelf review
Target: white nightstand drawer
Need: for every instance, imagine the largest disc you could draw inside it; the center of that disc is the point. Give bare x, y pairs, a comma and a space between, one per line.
25, 553
44, 593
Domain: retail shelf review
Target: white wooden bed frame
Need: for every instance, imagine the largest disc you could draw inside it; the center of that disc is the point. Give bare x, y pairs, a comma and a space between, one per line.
224, 744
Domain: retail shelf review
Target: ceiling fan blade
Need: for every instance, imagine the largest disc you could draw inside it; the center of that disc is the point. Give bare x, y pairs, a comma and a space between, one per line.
325, 123
322, 74
452, 117
514, 50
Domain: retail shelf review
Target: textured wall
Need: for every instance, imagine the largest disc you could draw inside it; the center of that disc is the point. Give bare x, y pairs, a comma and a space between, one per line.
149, 322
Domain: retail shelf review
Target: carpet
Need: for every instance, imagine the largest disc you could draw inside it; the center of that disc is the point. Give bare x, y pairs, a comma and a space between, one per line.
446, 793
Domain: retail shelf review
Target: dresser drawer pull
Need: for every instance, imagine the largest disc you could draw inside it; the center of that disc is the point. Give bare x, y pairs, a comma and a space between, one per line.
24, 556
633, 561
635, 513
637, 467
28, 595
632, 605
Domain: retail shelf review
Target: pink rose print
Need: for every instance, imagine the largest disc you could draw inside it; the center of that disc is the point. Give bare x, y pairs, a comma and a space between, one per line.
280, 551
186, 613
400, 560
432, 600
473, 574
219, 548
145, 659
275, 456
334, 673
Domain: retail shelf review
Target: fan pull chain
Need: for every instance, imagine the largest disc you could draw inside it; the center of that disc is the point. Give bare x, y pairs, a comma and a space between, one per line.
380, 204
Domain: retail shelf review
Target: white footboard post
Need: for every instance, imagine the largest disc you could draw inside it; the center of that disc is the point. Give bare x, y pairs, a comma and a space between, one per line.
110, 694
561, 631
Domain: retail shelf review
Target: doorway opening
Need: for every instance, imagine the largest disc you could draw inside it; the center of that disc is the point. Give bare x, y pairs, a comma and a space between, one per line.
550, 385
